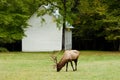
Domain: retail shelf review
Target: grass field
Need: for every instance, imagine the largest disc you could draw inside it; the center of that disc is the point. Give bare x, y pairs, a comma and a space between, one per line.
92, 65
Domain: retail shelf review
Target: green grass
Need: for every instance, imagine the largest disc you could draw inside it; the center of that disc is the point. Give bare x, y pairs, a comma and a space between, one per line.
92, 65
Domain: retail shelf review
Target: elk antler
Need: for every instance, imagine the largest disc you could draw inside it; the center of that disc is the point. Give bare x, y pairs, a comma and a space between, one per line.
54, 59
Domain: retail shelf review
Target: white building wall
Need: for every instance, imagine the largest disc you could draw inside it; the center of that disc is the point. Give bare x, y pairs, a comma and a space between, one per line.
68, 39
45, 37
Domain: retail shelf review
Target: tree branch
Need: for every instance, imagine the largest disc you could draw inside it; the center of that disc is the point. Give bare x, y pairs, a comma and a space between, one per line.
53, 4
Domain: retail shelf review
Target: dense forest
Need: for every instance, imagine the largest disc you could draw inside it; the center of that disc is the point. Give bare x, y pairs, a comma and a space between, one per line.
96, 22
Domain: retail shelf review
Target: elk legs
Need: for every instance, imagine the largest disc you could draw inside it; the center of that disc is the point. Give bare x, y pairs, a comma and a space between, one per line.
72, 65
75, 61
66, 66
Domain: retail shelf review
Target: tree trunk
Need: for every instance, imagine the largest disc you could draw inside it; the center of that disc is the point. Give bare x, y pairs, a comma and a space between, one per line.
64, 26
63, 37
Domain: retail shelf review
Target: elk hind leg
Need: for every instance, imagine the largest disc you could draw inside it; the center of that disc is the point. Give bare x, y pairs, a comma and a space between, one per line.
75, 61
66, 66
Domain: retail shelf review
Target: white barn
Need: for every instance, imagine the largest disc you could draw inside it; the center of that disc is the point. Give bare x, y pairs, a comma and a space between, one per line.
46, 36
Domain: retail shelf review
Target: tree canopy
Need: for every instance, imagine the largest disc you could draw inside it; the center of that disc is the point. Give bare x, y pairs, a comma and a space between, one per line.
99, 19
13, 16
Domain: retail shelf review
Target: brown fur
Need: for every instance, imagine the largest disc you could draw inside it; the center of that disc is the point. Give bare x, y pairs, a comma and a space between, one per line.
68, 56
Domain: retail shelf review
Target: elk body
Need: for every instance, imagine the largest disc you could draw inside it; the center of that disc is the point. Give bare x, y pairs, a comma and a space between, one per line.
68, 56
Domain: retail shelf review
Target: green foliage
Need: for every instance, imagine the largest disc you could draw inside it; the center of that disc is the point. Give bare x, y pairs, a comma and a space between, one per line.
2, 49
91, 18
98, 19
65, 9
13, 16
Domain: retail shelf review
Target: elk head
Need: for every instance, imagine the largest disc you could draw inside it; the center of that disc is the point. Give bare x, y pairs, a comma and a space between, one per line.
55, 61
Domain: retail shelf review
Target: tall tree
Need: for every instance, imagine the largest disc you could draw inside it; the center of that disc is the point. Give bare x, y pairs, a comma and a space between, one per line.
98, 19
13, 16
113, 21
66, 10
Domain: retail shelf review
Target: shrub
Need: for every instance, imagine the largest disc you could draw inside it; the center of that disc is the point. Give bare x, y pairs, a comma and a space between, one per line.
2, 49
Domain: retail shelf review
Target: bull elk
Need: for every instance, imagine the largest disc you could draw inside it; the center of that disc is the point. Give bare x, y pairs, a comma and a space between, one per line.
68, 56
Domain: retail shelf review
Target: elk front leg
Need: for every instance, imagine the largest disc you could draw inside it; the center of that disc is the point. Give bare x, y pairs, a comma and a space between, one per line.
72, 65
66, 66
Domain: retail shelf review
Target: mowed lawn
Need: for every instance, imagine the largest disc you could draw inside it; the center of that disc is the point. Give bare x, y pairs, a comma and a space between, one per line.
92, 65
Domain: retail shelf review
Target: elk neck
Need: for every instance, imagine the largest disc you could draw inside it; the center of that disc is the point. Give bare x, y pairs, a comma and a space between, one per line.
61, 64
